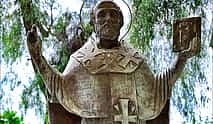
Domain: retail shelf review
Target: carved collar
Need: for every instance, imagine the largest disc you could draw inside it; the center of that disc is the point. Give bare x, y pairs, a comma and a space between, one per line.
118, 60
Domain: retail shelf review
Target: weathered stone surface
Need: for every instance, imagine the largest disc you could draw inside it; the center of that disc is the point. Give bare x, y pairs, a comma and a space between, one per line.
185, 31
59, 115
106, 82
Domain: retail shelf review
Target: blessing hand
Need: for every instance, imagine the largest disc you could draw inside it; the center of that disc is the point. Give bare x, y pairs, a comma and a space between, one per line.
33, 41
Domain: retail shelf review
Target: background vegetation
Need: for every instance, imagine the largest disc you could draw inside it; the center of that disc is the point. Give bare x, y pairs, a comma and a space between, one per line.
10, 117
151, 32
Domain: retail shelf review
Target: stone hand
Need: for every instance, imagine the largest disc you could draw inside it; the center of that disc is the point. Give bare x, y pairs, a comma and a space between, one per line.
191, 51
33, 41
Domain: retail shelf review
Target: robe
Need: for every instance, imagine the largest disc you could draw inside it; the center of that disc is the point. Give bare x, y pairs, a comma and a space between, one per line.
108, 86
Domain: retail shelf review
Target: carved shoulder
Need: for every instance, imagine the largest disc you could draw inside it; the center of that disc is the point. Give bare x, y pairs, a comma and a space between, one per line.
72, 67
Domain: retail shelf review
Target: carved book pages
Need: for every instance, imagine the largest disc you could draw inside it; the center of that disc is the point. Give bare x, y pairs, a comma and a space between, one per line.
185, 31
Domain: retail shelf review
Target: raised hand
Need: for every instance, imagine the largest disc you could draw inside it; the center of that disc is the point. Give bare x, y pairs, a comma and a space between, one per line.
34, 42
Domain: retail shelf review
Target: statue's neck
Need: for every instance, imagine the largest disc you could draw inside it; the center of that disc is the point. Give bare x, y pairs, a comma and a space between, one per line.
108, 44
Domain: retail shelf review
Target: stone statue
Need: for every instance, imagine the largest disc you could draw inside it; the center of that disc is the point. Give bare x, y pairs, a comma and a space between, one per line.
105, 81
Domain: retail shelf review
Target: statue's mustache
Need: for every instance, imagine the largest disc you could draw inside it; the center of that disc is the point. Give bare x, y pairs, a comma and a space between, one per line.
106, 25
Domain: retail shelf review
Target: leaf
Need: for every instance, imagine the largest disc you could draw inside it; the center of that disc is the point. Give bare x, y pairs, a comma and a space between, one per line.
211, 42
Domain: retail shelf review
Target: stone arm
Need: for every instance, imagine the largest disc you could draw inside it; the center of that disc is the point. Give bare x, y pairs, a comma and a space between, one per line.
156, 89
52, 78
164, 81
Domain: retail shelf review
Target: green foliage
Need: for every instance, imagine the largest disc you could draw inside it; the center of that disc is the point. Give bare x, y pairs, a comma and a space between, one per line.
211, 42
143, 23
31, 96
148, 14
11, 40
60, 26
62, 23
186, 96
64, 58
9, 117
31, 14
46, 120
16, 20
1, 96
209, 120
87, 31
156, 16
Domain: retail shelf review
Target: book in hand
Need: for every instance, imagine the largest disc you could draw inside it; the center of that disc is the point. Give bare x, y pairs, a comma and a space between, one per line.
185, 31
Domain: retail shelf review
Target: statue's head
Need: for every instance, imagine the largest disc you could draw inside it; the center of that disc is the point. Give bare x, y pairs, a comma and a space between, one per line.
107, 20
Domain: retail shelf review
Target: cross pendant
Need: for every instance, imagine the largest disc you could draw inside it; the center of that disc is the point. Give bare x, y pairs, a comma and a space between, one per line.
124, 117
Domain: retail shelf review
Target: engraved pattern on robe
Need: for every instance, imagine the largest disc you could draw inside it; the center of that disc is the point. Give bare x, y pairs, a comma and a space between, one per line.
92, 95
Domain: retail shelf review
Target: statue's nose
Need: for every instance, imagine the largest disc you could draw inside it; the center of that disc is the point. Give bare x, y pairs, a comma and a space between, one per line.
108, 17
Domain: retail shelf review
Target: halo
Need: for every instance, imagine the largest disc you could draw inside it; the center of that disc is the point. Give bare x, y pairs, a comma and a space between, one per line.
129, 25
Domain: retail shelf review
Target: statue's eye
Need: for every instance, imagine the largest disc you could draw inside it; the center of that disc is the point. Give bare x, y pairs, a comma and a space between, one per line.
114, 14
102, 14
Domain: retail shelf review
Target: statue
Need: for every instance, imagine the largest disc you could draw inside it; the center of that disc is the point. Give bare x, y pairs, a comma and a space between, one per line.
105, 81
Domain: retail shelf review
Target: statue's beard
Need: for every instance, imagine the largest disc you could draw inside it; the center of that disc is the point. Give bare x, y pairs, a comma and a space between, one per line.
108, 31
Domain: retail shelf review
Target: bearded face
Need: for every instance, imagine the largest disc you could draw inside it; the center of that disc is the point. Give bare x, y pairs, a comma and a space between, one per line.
108, 23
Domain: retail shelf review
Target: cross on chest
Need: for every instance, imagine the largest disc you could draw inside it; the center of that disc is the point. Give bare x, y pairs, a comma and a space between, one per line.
124, 117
